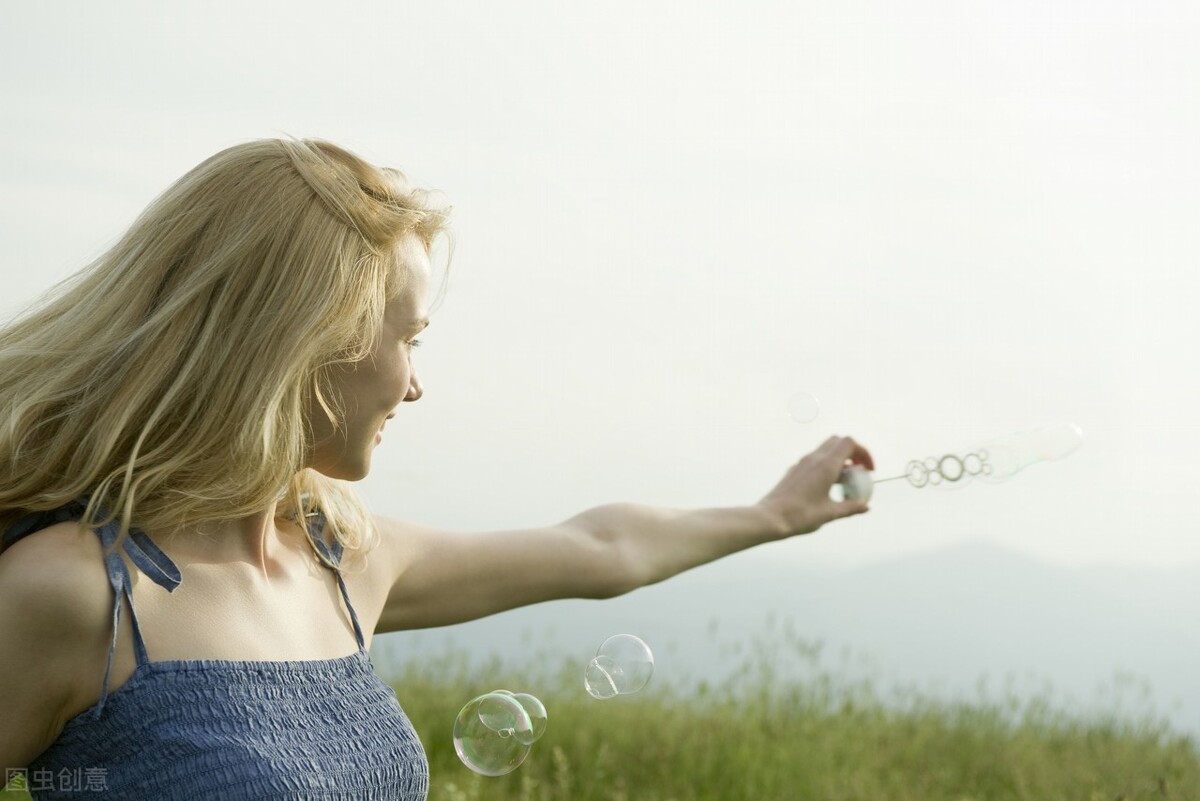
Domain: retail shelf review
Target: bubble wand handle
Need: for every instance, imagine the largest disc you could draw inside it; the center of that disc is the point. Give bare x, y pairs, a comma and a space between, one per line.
856, 483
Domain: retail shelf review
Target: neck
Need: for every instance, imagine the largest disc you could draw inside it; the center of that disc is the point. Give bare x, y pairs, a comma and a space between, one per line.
259, 541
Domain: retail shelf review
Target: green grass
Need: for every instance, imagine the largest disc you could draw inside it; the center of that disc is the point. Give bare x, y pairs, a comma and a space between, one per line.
761, 737
820, 736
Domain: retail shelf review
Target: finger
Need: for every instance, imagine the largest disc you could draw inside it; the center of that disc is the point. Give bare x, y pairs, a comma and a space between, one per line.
829, 446
851, 451
851, 508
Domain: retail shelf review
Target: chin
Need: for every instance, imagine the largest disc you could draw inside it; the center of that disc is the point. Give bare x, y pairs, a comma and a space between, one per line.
357, 472
346, 469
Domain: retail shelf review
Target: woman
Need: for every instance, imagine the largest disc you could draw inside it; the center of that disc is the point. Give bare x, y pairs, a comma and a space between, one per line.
186, 415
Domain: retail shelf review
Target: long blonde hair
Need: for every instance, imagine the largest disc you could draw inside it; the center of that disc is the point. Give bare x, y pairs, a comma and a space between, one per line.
168, 381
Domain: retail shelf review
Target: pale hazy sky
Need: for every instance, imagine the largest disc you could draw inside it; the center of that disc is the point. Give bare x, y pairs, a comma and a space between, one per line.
948, 221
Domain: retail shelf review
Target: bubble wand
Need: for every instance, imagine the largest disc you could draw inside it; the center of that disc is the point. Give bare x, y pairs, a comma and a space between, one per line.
995, 461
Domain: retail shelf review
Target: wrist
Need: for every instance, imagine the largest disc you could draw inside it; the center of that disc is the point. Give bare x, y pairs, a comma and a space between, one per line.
772, 520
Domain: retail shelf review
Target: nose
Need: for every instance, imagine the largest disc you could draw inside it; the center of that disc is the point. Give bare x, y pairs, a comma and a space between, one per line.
415, 390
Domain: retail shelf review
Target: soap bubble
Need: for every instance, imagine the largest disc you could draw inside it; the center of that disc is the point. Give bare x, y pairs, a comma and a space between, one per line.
1006, 456
492, 734
803, 407
537, 715
622, 665
996, 460
598, 678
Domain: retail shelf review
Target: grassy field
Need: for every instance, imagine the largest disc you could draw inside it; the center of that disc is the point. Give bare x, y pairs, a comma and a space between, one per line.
762, 738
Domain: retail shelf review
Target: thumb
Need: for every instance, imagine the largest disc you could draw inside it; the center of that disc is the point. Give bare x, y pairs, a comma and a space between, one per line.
851, 508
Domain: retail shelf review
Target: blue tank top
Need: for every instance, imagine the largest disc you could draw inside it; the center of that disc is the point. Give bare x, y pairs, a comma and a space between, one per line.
229, 730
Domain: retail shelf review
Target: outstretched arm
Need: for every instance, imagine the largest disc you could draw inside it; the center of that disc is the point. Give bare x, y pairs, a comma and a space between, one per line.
440, 577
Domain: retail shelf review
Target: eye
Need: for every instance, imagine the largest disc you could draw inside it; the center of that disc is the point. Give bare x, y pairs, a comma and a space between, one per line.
416, 343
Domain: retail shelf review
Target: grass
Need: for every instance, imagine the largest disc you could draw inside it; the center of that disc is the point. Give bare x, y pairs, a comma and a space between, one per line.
761, 736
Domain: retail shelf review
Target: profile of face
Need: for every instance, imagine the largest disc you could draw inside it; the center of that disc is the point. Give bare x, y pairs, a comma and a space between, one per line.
373, 388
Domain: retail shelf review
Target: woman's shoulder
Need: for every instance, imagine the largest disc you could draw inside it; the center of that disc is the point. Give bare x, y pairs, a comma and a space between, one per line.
63, 543
58, 575
55, 607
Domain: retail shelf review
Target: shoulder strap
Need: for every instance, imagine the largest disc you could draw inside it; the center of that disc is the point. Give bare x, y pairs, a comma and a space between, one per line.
140, 548
315, 524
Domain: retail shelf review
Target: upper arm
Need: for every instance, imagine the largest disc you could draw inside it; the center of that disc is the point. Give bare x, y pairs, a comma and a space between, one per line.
46, 616
442, 577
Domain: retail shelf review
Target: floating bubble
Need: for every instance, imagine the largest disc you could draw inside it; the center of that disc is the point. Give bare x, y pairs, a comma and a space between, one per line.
917, 474
996, 460
803, 407
492, 734
537, 715
598, 678
622, 665
950, 467
1007, 456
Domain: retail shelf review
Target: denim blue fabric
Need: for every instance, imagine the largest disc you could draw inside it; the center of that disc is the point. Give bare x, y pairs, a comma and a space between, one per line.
199, 729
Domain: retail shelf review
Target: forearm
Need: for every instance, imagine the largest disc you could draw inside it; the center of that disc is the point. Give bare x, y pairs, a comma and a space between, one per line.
648, 544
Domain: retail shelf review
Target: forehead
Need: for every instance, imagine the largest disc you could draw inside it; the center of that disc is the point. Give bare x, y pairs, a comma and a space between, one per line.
411, 279
411, 260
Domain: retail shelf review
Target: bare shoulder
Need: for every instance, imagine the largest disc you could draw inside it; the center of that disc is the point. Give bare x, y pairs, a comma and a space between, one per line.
396, 540
378, 566
400, 544
55, 613
57, 572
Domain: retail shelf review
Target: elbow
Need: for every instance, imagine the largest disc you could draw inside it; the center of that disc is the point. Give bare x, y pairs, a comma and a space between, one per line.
616, 586
616, 566
631, 571
613, 572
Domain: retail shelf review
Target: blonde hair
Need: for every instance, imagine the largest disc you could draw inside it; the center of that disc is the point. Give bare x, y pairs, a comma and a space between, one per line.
168, 381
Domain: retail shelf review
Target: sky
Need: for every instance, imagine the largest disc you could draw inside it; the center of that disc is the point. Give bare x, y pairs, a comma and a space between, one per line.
946, 221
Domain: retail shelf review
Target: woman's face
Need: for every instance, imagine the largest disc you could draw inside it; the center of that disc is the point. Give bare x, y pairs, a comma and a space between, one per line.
373, 388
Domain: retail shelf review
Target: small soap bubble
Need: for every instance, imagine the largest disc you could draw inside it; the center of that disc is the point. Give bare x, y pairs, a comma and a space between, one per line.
950, 467
623, 665
803, 407
492, 733
598, 678
537, 717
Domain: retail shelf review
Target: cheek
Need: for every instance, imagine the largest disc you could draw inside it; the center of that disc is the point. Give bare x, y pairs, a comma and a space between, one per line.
394, 377
380, 383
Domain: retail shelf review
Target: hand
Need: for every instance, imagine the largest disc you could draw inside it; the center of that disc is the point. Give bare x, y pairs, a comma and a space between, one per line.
800, 502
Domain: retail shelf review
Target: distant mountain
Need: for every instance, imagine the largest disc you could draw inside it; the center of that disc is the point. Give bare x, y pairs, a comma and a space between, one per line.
1102, 639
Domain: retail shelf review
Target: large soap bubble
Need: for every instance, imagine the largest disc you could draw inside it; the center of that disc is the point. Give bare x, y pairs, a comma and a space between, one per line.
622, 665
492, 734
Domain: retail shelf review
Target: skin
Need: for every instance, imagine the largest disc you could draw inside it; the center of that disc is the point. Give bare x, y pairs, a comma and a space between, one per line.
374, 388
371, 391
253, 590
